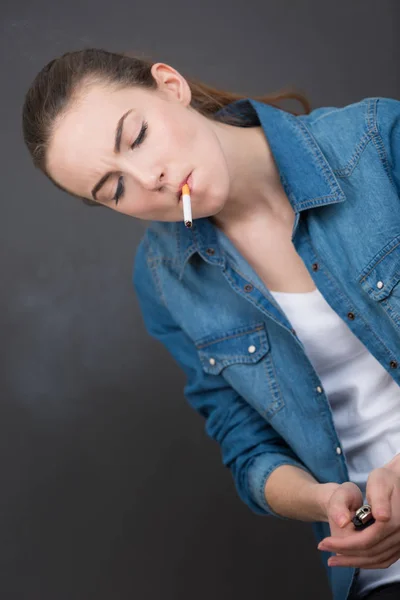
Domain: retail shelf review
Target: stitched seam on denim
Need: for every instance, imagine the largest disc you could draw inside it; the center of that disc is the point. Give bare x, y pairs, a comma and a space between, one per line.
374, 263
181, 260
355, 159
315, 201
152, 265
245, 277
196, 239
365, 323
380, 147
157, 282
371, 115
274, 387
320, 159
239, 288
149, 250
393, 315
227, 362
243, 359
239, 332
160, 260
358, 312
254, 302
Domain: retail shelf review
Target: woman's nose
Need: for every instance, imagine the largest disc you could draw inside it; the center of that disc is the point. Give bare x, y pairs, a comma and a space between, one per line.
150, 177
153, 181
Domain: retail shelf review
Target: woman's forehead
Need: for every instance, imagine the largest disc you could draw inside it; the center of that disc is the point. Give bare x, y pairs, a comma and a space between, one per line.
110, 98
88, 127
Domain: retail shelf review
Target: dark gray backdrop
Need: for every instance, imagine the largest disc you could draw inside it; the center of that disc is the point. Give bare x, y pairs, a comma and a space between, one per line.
110, 489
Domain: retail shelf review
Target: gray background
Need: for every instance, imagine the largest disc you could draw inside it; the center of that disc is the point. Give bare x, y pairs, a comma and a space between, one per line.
109, 486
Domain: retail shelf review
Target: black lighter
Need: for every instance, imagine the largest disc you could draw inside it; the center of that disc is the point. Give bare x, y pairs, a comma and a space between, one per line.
363, 517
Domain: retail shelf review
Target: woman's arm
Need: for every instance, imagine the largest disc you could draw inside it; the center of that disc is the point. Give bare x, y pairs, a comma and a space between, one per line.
250, 446
295, 494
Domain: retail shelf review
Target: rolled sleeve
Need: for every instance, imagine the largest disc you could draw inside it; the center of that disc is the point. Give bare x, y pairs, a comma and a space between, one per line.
258, 472
250, 447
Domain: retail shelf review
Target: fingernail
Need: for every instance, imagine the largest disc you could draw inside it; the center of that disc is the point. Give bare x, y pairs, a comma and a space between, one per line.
332, 562
342, 520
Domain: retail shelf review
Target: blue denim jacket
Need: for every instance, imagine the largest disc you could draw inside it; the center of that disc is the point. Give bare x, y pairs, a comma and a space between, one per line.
247, 372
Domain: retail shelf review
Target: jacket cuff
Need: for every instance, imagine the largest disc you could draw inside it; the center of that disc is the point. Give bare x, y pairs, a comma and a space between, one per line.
258, 472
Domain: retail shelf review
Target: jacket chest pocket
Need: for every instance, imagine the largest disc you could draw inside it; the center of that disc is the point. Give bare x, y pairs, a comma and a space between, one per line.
381, 279
243, 357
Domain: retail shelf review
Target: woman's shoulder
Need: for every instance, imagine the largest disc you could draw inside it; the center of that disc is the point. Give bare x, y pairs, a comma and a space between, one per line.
368, 111
159, 241
342, 132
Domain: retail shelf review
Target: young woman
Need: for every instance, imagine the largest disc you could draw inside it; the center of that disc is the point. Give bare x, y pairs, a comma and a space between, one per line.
281, 302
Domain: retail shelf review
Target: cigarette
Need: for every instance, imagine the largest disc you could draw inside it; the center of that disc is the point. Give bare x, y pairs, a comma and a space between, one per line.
187, 207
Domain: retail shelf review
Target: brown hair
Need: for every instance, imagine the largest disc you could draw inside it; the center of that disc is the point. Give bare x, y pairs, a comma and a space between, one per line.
59, 82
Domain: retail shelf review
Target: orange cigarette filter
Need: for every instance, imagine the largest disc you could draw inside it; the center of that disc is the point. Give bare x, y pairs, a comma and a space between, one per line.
186, 190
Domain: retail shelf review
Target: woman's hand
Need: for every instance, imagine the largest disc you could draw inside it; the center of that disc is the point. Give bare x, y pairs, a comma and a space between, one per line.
377, 546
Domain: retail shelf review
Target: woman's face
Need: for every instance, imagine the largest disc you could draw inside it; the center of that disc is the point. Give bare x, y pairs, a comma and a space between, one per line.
131, 149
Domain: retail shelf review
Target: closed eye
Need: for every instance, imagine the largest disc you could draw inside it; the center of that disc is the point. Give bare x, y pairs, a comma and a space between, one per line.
120, 189
140, 138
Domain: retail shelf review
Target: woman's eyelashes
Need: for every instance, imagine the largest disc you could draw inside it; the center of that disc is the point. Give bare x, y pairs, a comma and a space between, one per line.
141, 136
120, 189
139, 140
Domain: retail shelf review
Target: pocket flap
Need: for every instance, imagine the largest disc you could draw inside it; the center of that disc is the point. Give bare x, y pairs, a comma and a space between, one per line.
383, 272
245, 345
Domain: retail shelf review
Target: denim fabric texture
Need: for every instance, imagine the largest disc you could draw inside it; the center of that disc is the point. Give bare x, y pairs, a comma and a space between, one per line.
247, 373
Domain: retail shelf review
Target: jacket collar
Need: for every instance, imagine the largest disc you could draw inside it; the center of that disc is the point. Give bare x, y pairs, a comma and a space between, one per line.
306, 176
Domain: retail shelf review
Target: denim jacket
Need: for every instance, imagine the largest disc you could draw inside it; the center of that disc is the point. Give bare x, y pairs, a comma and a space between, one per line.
247, 373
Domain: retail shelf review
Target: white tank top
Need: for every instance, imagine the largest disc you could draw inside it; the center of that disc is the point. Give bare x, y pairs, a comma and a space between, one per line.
364, 399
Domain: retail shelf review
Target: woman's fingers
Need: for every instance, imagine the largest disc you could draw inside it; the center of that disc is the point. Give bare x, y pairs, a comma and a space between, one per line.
379, 491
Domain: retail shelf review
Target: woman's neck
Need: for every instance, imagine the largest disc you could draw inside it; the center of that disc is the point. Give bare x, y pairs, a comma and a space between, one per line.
256, 190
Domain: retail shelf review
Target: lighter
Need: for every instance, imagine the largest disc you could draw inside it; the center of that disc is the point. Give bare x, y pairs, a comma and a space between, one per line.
363, 517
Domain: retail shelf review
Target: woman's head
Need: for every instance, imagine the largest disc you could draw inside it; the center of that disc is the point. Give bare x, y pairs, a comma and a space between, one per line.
103, 125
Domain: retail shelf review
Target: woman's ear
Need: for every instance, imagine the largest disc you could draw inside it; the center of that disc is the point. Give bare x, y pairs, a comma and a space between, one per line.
172, 83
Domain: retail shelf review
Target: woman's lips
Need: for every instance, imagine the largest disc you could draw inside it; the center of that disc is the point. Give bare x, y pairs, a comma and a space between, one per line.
189, 181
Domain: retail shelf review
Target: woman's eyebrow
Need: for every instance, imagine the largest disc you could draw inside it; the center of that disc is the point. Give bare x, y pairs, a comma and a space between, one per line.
118, 131
117, 149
